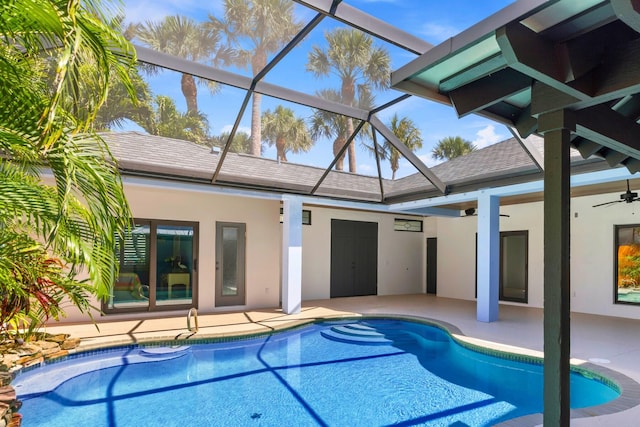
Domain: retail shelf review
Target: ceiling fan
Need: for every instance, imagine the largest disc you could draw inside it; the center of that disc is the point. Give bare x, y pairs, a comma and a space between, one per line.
472, 212
627, 197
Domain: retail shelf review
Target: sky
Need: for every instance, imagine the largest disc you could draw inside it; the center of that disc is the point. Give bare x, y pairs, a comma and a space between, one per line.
431, 20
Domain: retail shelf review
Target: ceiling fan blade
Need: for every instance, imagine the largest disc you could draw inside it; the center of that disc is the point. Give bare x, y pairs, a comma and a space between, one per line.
607, 203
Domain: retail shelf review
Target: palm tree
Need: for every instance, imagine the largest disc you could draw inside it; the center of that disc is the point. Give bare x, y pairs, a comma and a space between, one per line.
182, 36
168, 121
408, 134
258, 28
287, 132
329, 125
325, 124
359, 65
120, 107
241, 142
452, 147
48, 233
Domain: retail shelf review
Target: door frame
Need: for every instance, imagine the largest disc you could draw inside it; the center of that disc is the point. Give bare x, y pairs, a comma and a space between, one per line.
239, 298
358, 265
152, 269
525, 295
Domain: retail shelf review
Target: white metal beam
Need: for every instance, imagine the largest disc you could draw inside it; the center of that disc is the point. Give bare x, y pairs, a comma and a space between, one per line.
591, 178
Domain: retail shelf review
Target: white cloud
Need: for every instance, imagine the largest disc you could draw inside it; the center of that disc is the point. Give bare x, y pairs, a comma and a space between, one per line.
145, 10
366, 168
406, 168
437, 33
487, 136
428, 160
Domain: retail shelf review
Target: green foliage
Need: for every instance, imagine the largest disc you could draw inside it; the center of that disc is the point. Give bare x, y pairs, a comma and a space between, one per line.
286, 131
451, 147
630, 271
35, 285
629, 265
51, 233
120, 106
360, 66
241, 142
183, 37
408, 134
324, 124
256, 29
168, 121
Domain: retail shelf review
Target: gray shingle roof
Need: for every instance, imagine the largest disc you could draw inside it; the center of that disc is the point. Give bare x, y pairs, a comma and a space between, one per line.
158, 156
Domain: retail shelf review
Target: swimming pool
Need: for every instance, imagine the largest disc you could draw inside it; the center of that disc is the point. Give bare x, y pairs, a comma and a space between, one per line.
370, 372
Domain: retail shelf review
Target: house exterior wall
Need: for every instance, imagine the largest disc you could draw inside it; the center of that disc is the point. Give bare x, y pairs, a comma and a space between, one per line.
400, 254
263, 236
260, 216
592, 253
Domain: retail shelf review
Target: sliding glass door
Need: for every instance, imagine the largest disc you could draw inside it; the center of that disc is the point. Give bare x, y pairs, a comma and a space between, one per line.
158, 267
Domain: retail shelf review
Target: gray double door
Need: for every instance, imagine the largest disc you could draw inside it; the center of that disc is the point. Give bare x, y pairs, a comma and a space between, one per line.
354, 258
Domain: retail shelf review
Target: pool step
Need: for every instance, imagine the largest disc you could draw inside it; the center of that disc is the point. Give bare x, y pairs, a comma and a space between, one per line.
358, 333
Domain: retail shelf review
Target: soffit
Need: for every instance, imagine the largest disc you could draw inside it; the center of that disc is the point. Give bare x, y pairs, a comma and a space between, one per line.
535, 58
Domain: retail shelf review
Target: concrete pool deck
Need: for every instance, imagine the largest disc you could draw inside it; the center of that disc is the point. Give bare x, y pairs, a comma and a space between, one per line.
612, 343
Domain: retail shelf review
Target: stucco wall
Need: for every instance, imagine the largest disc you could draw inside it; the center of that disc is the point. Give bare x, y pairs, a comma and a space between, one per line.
401, 254
262, 236
592, 252
262, 241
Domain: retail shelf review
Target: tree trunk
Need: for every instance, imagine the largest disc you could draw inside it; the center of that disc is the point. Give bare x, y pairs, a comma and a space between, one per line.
258, 62
395, 163
352, 147
190, 92
348, 97
337, 146
256, 125
280, 146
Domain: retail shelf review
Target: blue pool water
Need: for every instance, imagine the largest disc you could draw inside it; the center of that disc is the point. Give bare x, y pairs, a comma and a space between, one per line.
372, 372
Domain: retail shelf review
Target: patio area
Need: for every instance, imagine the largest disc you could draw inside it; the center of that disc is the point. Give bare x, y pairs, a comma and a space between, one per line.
612, 343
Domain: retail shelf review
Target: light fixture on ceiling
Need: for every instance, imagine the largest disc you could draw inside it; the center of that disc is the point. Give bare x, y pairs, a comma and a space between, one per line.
472, 212
627, 197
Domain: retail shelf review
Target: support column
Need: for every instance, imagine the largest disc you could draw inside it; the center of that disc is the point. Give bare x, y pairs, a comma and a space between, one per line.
557, 128
488, 257
291, 255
